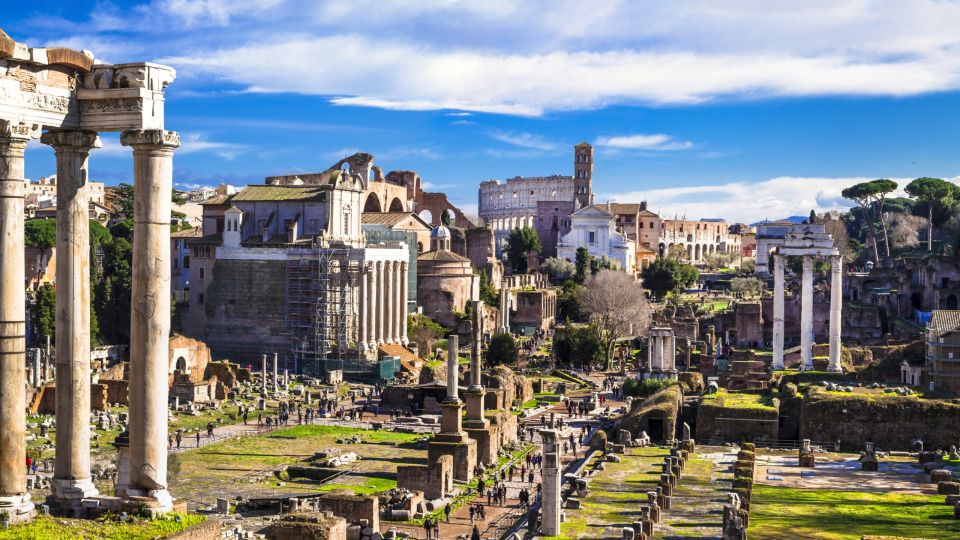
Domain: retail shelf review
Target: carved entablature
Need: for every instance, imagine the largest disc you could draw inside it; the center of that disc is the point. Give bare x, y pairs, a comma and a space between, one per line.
63, 88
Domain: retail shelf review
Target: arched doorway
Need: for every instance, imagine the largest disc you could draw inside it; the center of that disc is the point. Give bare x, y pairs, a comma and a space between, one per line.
372, 204
696, 253
181, 364
916, 301
396, 205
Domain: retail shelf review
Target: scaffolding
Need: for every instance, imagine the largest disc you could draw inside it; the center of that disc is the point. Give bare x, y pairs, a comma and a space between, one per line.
321, 313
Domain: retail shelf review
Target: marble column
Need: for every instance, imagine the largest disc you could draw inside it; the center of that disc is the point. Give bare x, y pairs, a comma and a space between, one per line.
404, 292
14, 497
453, 348
778, 311
150, 320
381, 298
71, 476
371, 309
551, 498
475, 383
276, 380
263, 376
398, 303
389, 289
364, 304
836, 306
806, 315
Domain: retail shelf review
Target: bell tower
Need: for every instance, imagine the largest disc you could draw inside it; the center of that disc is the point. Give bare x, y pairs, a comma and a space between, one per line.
583, 174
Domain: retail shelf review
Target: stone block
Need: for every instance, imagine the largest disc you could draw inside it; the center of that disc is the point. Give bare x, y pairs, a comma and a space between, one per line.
940, 475
572, 503
948, 488
952, 500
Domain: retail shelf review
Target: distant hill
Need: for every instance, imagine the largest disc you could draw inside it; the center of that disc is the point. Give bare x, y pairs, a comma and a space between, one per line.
791, 219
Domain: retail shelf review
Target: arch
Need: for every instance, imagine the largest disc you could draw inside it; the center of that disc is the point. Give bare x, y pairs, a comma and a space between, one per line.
419, 248
712, 248
181, 364
661, 249
372, 204
916, 301
426, 215
696, 252
396, 205
451, 216
950, 302
689, 252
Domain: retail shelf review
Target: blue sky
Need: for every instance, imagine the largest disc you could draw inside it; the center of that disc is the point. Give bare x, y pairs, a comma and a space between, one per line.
758, 109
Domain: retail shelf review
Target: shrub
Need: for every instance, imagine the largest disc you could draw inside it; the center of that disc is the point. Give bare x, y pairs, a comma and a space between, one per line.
645, 387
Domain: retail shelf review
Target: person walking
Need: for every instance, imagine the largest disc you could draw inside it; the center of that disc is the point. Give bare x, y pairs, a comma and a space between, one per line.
428, 527
475, 535
179, 438
473, 512
446, 512
436, 529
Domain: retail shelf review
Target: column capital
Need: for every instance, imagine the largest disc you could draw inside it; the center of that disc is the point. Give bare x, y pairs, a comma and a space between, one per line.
151, 138
19, 130
78, 141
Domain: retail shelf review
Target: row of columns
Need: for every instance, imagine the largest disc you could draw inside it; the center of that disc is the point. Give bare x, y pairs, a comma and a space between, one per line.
383, 304
806, 313
661, 350
149, 326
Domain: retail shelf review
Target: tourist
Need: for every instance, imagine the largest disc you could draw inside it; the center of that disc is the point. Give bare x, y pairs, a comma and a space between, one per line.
473, 512
530, 477
446, 512
29, 464
475, 535
489, 496
179, 438
436, 529
428, 527
198, 438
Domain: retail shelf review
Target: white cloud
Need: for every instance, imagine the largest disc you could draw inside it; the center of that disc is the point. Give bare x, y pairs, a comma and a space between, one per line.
643, 142
749, 202
524, 140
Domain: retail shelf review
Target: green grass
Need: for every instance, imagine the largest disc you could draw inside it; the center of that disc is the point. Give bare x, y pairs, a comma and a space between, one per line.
778, 512
371, 486
723, 398
48, 528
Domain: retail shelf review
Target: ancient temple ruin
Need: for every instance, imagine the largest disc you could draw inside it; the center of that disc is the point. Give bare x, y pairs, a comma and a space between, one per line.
65, 98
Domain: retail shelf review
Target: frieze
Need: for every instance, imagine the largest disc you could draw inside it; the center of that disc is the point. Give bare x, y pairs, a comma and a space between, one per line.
111, 105
154, 137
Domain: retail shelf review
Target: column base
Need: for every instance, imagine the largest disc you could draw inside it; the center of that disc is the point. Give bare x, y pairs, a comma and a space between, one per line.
73, 489
835, 369
18, 507
156, 502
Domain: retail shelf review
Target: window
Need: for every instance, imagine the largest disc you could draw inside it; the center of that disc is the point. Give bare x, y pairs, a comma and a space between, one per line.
592, 237
176, 264
200, 298
201, 272
346, 223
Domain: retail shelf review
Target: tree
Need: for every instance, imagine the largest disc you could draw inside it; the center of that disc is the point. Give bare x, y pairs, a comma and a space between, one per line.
871, 196
122, 200
617, 306
746, 286
582, 264
813, 217
424, 331
677, 252
932, 193
44, 316
502, 350
519, 244
905, 230
603, 263
487, 293
557, 269
667, 275
41, 234
568, 301
577, 345
112, 293
836, 227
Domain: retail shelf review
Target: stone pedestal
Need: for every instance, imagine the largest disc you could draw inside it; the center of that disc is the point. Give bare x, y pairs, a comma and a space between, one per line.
479, 429
551, 496
150, 321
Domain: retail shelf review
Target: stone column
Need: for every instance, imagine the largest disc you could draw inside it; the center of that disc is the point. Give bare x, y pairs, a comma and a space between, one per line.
362, 318
806, 315
150, 321
550, 525
14, 498
381, 298
778, 311
399, 302
390, 298
71, 477
404, 292
836, 304
263, 375
475, 383
453, 346
372, 306
276, 380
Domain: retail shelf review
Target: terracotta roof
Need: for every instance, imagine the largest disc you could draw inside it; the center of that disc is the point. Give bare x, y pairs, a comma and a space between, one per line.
390, 219
645, 249
945, 320
193, 232
217, 199
442, 256
625, 208
280, 193
646, 213
408, 360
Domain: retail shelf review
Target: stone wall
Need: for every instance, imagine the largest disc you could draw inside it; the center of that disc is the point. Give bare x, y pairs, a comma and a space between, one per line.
716, 421
45, 400
352, 508
208, 530
434, 480
656, 415
887, 420
324, 526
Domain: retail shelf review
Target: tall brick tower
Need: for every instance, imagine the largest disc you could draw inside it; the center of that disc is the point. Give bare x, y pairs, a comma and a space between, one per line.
583, 173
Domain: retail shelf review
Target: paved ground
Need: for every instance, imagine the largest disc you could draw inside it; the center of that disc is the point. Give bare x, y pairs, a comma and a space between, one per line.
842, 472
